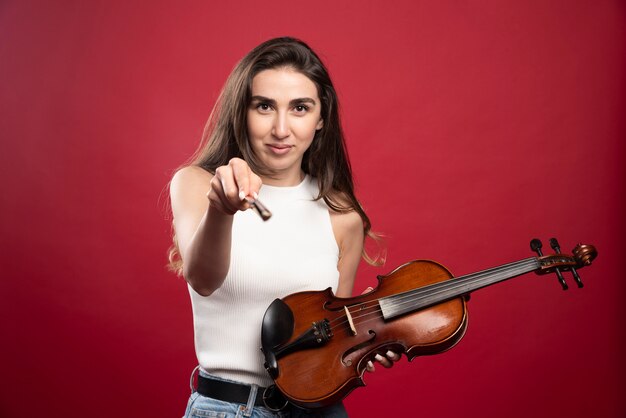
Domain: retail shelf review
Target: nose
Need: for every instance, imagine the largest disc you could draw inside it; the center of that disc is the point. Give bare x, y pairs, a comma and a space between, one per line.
280, 130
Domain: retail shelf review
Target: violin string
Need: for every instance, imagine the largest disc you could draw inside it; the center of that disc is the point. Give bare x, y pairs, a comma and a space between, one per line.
448, 289
431, 293
437, 289
344, 319
362, 307
361, 321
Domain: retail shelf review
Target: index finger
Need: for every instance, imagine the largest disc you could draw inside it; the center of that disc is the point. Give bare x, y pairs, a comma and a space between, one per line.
241, 173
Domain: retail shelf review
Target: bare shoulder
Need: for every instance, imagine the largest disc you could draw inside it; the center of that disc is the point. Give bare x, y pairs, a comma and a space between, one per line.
347, 225
190, 177
188, 190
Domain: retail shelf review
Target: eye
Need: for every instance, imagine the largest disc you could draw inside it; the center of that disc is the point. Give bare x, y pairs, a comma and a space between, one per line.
301, 108
263, 107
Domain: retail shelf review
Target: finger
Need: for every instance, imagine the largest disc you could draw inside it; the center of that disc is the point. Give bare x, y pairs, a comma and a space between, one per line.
219, 201
255, 184
227, 181
369, 289
385, 362
223, 193
370, 367
393, 356
241, 176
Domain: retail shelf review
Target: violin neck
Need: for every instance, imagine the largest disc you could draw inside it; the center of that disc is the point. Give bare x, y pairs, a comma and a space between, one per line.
433, 294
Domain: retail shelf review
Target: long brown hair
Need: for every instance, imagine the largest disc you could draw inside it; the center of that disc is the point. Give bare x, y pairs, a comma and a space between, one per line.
226, 132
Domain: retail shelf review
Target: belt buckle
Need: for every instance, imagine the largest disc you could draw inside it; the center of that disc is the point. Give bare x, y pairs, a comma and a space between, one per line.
273, 399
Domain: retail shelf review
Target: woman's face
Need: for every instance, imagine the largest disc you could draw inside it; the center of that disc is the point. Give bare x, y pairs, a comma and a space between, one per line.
284, 113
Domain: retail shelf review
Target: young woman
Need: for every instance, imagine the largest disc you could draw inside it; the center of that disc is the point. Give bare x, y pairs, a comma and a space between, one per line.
274, 135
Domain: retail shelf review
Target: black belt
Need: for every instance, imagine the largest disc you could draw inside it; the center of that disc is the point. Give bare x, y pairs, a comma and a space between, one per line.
228, 391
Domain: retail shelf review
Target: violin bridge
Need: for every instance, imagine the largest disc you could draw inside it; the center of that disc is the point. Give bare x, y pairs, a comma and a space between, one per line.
352, 328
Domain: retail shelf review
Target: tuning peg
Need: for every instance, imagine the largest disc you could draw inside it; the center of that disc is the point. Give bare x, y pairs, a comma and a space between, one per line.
579, 282
555, 246
535, 245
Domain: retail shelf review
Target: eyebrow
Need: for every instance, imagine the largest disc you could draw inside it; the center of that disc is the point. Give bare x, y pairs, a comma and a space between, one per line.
293, 102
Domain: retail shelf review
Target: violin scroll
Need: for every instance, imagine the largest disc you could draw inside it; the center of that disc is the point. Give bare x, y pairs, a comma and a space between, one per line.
584, 254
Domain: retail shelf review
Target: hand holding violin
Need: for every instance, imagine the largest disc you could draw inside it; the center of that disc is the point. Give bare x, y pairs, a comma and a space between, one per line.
390, 356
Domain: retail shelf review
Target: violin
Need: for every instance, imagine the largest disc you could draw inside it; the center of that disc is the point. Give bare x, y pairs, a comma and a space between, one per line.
316, 345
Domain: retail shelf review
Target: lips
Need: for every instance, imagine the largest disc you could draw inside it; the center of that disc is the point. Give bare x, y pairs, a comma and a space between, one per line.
279, 149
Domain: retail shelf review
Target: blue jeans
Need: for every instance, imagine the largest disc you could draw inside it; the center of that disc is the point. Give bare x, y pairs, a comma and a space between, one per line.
200, 406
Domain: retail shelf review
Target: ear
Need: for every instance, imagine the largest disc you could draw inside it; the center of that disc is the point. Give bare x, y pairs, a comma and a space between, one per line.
319, 125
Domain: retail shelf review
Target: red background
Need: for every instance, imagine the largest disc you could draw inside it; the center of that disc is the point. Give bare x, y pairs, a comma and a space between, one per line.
473, 127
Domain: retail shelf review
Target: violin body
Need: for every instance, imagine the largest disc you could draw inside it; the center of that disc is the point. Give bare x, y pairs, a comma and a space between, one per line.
326, 375
317, 345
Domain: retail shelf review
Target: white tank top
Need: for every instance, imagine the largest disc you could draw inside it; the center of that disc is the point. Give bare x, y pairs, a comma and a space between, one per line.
295, 250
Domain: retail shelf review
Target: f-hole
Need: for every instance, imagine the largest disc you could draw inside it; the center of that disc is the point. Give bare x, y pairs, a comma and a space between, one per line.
346, 360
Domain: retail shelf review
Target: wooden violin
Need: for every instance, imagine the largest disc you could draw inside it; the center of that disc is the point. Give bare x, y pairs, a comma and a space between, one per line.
317, 345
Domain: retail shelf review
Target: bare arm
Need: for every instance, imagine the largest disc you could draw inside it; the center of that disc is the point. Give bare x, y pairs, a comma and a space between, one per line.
348, 229
203, 206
